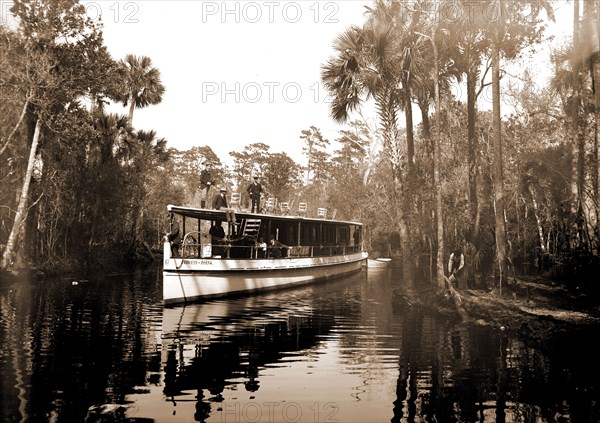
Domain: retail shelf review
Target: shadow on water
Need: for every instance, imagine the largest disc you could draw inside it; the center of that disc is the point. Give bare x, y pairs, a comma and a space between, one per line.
106, 349
70, 343
449, 371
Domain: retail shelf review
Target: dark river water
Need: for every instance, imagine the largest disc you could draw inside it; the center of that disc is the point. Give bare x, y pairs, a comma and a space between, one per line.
106, 349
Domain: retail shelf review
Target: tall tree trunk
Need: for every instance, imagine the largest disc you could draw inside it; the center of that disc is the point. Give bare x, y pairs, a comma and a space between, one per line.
410, 138
578, 144
594, 170
402, 221
437, 159
592, 20
424, 108
400, 195
596, 73
430, 170
410, 185
20, 216
131, 109
429, 141
472, 153
500, 224
538, 221
17, 125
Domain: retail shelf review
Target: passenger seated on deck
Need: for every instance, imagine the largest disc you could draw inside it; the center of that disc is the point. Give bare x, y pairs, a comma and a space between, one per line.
175, 239
190, 246
276, 248
242, 247
261, 248
220, 203
217, 239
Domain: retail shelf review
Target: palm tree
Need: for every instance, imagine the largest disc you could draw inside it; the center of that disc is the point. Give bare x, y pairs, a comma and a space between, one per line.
367, 67
382, 61
112, 132
142, 83
433, 39
444, 68
473, 42
497, 169
146, 152
503, 41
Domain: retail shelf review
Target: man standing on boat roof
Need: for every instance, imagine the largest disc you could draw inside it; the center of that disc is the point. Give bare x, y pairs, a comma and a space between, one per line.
205, 183
254, 190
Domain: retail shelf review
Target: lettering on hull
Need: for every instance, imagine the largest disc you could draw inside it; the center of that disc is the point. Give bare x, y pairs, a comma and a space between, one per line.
202, 262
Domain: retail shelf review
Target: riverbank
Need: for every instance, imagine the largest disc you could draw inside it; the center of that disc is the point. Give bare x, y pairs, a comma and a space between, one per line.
538, 310
84, 264
534, 309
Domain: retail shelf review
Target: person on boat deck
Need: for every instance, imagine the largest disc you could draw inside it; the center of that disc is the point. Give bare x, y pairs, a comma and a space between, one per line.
175, 239
456, 263
254, 190
205, 183
261, 247
276, 248
357, 236
220, 202
217, 239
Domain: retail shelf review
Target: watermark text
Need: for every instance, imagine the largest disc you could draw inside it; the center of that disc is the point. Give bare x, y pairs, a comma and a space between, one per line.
277, 412
269, 11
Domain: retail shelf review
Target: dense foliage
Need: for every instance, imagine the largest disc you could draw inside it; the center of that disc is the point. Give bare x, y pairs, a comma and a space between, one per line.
81, 187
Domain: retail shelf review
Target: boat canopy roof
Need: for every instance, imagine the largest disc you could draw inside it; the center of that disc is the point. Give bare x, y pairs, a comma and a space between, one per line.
208, 214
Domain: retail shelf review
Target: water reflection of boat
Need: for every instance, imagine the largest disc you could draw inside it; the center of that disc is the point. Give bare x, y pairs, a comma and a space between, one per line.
236, 258
212, 347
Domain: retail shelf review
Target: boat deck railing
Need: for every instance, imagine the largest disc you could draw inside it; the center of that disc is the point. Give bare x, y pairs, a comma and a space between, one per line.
226, 250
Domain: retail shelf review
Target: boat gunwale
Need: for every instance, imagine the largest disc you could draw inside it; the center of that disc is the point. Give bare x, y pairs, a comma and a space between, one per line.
278, 264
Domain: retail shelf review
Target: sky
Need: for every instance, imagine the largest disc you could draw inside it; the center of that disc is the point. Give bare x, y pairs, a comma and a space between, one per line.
237, 72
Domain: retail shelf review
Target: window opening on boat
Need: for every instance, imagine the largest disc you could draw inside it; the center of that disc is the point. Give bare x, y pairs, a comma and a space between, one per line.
213, 235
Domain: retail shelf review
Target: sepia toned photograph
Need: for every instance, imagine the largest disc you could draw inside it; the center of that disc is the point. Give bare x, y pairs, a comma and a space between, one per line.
351, 211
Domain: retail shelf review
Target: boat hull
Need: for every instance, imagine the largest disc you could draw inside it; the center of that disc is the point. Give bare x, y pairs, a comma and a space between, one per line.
379, 263
194, 279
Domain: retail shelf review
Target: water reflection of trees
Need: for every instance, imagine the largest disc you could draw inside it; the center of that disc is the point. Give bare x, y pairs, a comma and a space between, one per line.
72, 344
67, 347
448, 371
451, 372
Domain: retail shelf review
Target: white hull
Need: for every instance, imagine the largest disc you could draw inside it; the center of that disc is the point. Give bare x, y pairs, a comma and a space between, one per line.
383, 262
192, 279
